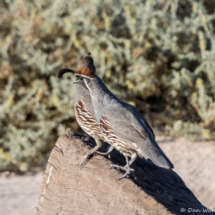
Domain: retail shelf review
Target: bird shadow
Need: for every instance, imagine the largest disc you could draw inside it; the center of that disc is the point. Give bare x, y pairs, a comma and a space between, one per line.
164, 185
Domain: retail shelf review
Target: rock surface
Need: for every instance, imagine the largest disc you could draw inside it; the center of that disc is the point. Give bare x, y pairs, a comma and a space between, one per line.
67, 189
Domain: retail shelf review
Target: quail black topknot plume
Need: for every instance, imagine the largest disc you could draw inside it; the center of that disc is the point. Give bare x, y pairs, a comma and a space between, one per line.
122, 125
83, 107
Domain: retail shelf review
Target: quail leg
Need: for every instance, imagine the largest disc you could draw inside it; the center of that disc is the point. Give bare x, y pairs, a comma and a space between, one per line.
98, 145
133, 158
106, 153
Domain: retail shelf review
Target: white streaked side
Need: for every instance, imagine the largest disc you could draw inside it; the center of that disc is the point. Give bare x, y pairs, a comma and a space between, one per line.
85, 119
113, 139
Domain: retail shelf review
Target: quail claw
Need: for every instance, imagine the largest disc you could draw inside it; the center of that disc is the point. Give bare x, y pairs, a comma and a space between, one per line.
111, 166
115, 166
83, 162
128, 172
124, 176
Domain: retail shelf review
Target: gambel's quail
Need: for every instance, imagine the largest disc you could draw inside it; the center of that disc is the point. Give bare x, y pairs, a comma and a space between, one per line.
83, 107
122, 125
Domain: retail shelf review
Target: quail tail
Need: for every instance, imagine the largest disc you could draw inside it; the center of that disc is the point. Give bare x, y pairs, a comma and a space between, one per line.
154, 152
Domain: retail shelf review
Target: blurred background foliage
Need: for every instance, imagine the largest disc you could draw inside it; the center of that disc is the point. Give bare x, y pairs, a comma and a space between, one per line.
158, 55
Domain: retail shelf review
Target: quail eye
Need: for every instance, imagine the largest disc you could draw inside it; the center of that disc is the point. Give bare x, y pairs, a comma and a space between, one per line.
78, 78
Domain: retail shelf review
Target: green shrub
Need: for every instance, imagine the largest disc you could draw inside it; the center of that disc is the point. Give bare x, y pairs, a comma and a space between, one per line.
157, 55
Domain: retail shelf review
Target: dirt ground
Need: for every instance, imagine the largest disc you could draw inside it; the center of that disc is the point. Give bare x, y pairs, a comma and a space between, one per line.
193, 161
19, 194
